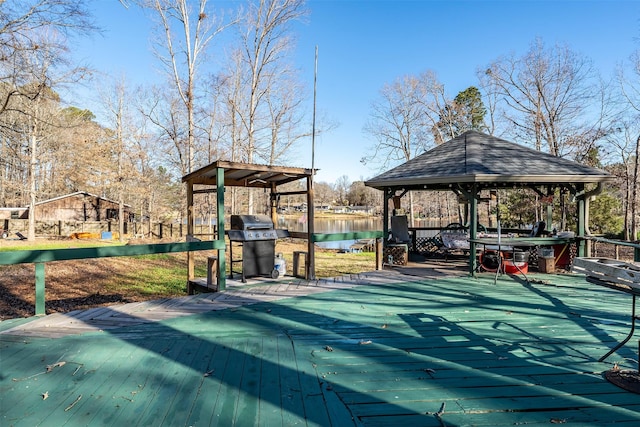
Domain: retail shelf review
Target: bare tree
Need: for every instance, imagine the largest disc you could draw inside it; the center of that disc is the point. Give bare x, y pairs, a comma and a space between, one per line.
549, 94
116, 100
34, 36
342, 185
627, 142
286, 116
397, 123
254, 88
404, 121
29, 27
265, 44
187, 33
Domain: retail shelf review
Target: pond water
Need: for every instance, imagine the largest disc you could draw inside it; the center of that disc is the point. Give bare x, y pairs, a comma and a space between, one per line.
332, 225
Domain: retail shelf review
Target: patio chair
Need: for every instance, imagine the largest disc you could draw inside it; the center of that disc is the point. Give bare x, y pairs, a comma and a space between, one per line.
538, 229
400, 229
396, 250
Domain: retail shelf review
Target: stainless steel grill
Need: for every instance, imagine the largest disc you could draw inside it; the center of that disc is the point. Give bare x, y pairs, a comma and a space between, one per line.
251, 227
257, 236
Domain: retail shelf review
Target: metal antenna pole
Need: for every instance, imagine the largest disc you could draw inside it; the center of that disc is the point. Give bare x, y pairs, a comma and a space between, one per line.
313, 126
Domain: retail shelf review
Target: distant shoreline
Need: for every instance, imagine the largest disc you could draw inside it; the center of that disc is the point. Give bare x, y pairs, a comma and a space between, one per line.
342, 215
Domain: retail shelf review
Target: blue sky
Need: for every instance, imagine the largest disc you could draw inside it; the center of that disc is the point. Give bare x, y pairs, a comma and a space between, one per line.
364, 44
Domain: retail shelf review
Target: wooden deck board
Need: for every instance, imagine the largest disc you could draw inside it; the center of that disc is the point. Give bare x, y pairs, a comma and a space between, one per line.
209, 387
381, 349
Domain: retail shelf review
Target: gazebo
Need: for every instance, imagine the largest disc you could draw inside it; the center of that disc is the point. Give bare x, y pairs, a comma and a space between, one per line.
474, 161
215, 177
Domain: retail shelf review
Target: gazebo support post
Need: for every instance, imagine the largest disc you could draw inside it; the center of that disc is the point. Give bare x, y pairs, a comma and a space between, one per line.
473, 228
388, 194
222, 266
581, 229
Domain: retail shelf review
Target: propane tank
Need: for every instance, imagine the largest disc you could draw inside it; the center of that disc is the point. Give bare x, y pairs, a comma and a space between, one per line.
280, 265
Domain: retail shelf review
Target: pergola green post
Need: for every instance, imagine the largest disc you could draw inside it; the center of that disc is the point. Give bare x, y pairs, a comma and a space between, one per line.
310, 267
581, 228
40, 307
473, 228
388, 193
222, 265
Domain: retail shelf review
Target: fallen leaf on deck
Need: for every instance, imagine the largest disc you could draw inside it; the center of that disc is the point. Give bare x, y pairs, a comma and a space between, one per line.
55, 365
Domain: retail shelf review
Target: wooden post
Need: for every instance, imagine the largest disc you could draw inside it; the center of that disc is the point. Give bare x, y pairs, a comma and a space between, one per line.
222, 269
388, 193
311, 259
40, 305
273, 200
378, 254
190, 221
581, 222
473, 228
397, 202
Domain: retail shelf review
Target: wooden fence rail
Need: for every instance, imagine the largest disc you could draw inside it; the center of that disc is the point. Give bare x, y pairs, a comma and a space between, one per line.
40, 256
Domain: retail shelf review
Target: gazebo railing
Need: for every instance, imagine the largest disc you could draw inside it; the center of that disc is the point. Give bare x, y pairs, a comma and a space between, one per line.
617, 246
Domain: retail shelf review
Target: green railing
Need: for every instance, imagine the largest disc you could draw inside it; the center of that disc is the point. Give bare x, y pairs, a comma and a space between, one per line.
635, 246
40, 256
336, 237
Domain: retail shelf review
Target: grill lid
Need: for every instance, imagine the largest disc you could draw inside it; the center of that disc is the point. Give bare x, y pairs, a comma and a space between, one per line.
251, 222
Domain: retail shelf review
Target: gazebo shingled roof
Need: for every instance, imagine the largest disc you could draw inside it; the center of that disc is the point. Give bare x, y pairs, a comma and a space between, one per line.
474, 161
475, 157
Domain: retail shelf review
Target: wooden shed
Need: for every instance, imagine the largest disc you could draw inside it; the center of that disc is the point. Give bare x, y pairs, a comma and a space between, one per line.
79, 206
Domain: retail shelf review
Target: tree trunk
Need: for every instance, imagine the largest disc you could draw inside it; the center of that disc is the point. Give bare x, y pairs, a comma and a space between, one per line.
31, 233
634, 192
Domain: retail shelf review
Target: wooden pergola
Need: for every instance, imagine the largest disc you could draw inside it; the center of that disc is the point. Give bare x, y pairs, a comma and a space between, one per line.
475, 161
215, 177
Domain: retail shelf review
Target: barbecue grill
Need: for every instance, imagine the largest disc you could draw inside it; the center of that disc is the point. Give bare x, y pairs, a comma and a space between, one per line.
257, 236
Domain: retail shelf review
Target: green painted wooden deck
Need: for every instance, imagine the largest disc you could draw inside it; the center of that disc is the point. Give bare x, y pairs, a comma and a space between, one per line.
392, 350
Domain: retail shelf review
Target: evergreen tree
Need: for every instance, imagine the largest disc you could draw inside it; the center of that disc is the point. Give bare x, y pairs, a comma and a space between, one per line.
465, 112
